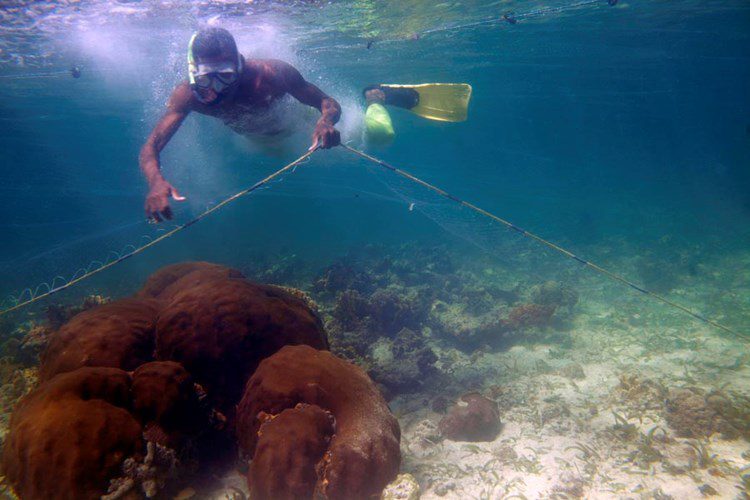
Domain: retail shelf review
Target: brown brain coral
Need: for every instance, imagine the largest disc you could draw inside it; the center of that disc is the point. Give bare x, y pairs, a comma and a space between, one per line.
118, 335
221, 329
95, 427
363, 456
293, 441
71, 435
166, 401
165, 283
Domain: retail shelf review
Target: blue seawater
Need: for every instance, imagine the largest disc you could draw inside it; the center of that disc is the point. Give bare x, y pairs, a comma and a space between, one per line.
587, 124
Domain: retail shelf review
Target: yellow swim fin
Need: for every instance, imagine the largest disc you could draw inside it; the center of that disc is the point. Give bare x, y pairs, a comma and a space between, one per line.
446, 102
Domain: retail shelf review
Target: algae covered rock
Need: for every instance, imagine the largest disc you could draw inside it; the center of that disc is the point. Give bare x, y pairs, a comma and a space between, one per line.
694, 414
403, 363
404, 487
468, 329
554, 293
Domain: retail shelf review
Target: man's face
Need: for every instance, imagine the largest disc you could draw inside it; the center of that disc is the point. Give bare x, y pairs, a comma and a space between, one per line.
215, 78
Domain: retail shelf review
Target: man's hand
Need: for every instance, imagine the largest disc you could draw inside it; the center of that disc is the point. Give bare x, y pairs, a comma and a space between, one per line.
157, 201
325, 136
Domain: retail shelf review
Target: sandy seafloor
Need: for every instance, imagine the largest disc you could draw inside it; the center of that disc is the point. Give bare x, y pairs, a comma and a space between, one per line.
567, 412
583, 400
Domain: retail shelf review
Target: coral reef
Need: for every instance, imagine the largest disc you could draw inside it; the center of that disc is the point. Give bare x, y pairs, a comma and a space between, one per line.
24, 344
59, 314
168, 281
384, 312
137, 392
166, 400
254, 322
71, 435
363, 455
289, 447
403, 363
342, 276
468, 326
118, 334
350, 309
150, 476
477, 420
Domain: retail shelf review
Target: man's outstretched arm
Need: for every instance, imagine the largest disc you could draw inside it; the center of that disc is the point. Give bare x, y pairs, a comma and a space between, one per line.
157, 200
324, 135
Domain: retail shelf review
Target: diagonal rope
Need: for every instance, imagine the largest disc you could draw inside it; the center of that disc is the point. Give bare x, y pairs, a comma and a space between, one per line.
168, 234
539, 239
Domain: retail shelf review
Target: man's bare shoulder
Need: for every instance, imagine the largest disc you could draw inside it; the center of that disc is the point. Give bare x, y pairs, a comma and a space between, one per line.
275, 70
181, 100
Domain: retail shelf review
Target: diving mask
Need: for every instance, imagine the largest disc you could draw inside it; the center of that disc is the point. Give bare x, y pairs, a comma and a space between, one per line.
218, 77
212, 78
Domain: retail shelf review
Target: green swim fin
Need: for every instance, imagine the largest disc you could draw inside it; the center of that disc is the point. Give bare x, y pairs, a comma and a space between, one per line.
447, 102
378, 124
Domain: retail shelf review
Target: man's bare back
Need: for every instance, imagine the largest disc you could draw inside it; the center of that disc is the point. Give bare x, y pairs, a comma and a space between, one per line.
257, 85
263, 83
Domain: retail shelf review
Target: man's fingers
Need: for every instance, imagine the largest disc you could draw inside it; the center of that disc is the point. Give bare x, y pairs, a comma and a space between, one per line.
155, 216
176, 196
167, 213
314, 144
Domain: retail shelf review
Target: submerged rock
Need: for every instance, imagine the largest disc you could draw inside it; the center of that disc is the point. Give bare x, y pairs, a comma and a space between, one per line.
695, 414
467, 330
404, 363
404, 487
554, 293
529, 316
476, 420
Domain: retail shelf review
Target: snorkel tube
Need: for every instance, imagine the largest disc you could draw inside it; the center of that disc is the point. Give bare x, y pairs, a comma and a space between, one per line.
192, 67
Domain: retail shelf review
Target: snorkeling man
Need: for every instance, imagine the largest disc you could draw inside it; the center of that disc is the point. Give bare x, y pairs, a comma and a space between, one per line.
239, 91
